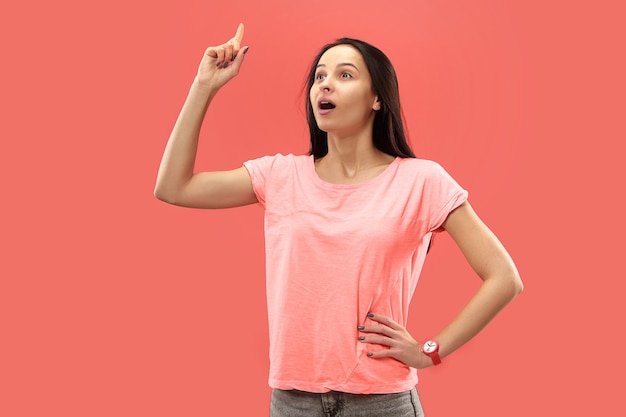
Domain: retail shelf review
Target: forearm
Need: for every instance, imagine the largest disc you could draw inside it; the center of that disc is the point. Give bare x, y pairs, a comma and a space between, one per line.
491, 297
177, 164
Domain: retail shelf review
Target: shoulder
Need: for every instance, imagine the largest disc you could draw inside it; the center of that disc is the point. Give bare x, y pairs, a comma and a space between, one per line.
429, 176
277, 164
279, 158
424, 168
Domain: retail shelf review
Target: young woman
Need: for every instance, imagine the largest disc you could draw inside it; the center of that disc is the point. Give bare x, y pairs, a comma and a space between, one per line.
347, 231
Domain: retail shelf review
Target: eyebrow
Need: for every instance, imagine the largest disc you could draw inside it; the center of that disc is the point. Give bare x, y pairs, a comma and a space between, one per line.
343, 64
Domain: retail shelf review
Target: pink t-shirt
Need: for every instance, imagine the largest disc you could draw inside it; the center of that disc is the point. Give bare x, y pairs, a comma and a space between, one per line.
335, 252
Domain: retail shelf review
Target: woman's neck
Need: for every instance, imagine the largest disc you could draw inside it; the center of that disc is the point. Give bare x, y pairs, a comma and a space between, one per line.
351, 158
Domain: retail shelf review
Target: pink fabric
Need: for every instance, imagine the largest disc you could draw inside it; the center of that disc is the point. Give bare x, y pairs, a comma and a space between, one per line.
335, 252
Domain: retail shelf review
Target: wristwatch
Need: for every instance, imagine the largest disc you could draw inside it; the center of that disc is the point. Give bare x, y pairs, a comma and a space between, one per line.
431, 348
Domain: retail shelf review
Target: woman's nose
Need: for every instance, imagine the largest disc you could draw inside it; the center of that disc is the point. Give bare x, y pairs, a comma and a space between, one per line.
325, 85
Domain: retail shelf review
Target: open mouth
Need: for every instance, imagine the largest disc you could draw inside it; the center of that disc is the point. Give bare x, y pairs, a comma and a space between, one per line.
326, 105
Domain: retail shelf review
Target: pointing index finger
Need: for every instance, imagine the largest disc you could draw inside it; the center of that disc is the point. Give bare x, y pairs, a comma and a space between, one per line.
239, 35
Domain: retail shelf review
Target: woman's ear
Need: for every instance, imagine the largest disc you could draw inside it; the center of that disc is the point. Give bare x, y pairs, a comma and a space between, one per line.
376, 105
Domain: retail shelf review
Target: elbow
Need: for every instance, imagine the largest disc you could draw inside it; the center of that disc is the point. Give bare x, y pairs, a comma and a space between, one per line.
159, 193
516, 284
520, 284
164, 195
508, 282
510, 279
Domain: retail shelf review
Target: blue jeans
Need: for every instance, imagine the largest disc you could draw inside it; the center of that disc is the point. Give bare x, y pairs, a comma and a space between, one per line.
294, 403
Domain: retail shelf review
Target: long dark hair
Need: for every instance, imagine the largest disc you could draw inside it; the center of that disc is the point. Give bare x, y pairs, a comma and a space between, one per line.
388, 131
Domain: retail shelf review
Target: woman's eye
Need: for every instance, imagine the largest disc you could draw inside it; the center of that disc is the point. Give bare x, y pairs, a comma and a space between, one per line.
320, 76
346, 75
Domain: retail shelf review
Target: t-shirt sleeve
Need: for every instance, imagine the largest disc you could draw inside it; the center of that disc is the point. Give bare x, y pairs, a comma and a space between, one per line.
260, 170
444, 193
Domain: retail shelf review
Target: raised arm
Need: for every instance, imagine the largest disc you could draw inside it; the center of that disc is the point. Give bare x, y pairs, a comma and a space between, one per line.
176, 182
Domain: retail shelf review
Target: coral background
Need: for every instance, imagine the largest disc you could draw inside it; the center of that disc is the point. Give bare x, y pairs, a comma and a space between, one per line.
115, 304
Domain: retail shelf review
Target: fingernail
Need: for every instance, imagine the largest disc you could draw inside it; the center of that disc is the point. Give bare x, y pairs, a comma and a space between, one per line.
361, 338
245, 51
370, 315
369, 353
225, 64
360, 327
233, 57
219, 64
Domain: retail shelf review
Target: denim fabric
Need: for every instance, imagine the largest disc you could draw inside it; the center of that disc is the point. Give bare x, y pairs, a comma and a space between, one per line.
294, 403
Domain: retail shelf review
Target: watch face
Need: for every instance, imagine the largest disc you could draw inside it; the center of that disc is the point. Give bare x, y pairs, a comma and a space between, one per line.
430, 347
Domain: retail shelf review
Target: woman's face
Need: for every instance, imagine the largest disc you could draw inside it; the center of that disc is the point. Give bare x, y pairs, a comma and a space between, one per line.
341, 95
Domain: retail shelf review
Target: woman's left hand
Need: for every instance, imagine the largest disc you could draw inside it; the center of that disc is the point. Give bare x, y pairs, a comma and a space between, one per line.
401, 344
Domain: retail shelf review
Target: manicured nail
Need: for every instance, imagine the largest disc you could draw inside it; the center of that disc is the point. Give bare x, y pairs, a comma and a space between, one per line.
219, 64
232, 58
369, 353
370, 315
360, 328
245, 51
225, 64
361, 338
